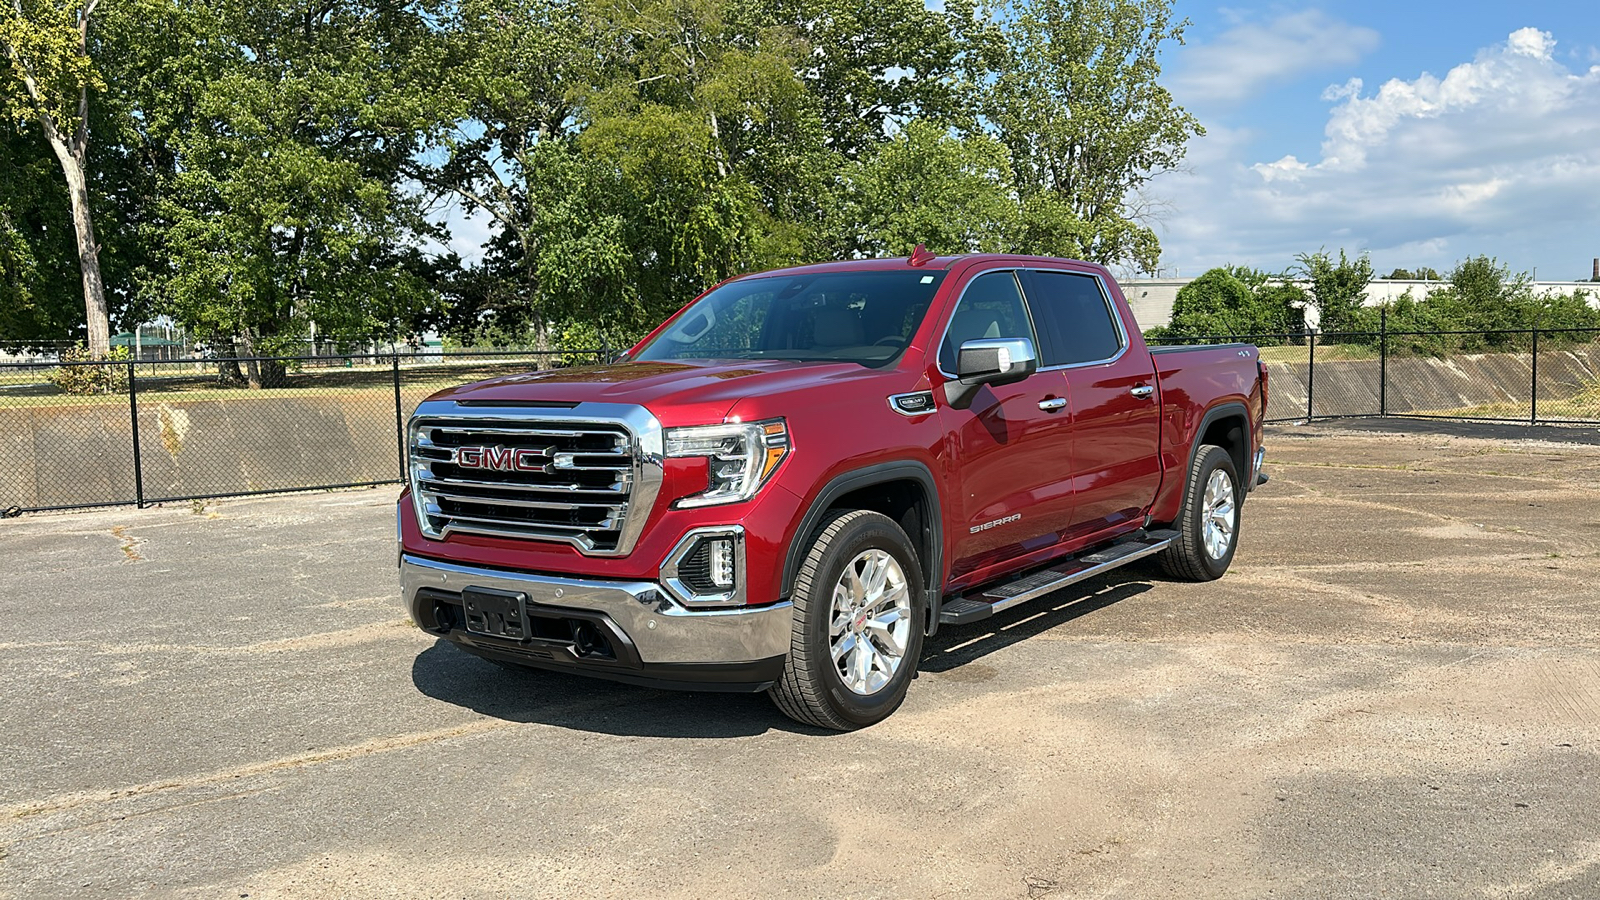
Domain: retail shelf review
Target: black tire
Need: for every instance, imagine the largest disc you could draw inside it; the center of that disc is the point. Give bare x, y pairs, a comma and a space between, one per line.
812, 690
1187, 558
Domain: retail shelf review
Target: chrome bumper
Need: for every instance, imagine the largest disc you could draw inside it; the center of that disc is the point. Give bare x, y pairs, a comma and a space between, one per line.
663, 632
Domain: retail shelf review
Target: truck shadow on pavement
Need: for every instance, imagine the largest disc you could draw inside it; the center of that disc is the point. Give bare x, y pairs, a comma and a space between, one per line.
448, 674
957, 645
529, 696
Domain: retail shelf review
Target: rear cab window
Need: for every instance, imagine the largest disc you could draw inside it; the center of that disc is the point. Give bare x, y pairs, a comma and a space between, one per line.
1076, 321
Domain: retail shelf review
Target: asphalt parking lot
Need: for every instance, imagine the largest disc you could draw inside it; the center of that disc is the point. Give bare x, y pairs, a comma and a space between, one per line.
1395, 692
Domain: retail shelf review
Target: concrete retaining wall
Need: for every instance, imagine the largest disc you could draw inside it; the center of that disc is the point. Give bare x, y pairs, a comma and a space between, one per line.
78, 454
1428, 385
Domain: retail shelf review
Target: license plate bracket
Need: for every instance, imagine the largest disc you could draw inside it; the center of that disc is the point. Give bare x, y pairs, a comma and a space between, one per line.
501, 614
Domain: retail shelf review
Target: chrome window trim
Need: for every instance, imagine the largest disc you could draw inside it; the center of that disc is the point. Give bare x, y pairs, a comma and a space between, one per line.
646, 447
681, 592
1105, 297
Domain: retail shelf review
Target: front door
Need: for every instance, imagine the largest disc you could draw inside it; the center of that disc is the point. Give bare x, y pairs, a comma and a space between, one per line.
1116, 411
1010, 455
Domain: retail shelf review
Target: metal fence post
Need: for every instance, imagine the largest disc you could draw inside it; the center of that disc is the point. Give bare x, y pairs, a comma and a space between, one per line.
1383, 361
1533, 387
1311, 374
399, 419
133, 418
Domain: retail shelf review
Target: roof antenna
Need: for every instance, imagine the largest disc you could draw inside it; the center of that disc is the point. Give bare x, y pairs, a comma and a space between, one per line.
921, 256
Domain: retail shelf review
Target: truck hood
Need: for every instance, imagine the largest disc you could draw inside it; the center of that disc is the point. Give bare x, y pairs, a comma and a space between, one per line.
678, 392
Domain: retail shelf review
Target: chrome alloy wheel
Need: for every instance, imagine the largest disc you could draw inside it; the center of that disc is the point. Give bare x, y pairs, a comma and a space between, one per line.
871, 622
1217, 514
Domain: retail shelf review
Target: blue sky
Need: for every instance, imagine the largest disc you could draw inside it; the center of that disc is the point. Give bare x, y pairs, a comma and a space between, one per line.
1419, 132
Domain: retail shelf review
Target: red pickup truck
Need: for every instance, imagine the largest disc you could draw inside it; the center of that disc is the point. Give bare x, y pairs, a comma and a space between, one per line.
804, 472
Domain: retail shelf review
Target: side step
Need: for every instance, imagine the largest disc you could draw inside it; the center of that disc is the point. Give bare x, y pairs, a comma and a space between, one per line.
965, 610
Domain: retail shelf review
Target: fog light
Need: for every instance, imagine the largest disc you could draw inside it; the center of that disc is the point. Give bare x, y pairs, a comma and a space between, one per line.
722, 562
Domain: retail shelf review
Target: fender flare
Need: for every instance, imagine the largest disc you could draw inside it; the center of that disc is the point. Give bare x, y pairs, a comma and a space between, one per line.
856, 479
1225, 409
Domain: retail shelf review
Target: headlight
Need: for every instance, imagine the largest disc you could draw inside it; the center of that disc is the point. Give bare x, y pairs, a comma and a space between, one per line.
740, 457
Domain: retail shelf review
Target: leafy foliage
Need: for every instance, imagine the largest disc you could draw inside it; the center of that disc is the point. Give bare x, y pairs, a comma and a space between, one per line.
1077, 101
1426, 273
286, 204
1336, 288
269, 166
87, 372
1483, 306
1237, 302
929, 186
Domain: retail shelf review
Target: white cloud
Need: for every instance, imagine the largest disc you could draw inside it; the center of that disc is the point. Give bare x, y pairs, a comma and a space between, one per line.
1531, 42
1500, 156
1252, 56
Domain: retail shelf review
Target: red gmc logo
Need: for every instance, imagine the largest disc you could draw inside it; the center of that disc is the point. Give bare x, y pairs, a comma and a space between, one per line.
502, 459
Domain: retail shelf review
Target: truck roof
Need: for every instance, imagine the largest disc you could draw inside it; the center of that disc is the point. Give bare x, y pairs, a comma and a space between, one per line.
902, 262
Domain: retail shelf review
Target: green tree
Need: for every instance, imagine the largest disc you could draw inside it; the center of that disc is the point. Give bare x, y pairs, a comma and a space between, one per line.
632, 153
1338, 289
871, 66
48, 79
1237, 302
1425, 273
287, 206
930, 186
1077, 101
40, 293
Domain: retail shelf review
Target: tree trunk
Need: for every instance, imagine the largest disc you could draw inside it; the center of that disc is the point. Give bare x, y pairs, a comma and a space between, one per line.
70, 143
94, 287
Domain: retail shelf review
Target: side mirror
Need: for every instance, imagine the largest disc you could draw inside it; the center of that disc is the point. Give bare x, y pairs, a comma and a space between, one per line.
989, 361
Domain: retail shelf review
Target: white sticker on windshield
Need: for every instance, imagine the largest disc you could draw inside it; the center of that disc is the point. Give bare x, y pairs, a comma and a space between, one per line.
927, 279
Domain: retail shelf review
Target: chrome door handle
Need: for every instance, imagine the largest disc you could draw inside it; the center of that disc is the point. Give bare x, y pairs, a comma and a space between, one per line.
1143, 391
1053, 404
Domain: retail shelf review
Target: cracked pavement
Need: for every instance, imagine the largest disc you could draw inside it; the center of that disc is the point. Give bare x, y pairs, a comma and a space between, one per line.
1395, 692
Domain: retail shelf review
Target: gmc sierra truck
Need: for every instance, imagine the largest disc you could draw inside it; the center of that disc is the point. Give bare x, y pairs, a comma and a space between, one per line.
803, 473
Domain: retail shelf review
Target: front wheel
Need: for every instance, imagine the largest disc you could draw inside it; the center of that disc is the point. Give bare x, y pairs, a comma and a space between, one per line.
859, 610
1208, 527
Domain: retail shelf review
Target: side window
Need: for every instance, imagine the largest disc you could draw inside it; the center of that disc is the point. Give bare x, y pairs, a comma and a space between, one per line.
991, 307
1074, 316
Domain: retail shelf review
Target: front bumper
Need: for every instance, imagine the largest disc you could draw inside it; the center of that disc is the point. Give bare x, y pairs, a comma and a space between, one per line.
646, 637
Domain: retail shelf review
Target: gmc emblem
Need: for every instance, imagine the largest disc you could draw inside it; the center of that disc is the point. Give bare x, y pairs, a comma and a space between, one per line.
503, 459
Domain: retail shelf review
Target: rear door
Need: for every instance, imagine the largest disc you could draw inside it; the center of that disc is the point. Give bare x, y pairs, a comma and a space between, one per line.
1116, 414
1010, 459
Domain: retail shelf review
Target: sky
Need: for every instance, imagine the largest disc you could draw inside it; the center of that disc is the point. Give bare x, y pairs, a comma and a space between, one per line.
1419, 132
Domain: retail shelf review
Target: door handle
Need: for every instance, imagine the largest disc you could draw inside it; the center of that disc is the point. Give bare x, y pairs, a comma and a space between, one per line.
1053, 404
1142, 391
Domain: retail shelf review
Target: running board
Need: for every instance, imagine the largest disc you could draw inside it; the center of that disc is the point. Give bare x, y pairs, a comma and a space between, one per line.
966, 610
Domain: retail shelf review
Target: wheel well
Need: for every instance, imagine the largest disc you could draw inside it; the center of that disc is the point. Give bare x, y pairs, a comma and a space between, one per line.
1228, 432
906, 502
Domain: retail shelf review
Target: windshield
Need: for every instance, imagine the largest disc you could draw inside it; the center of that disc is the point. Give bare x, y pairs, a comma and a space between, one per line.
860, 317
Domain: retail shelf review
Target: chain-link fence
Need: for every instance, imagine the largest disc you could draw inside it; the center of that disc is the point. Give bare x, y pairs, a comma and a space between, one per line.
151, 431
148, 431
1513, 375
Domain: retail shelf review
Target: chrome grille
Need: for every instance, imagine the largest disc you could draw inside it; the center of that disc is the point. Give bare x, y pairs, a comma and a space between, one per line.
530, 474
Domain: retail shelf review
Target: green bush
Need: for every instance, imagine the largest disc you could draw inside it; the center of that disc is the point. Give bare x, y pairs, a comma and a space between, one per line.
1481, 308
110, 376
1235, 301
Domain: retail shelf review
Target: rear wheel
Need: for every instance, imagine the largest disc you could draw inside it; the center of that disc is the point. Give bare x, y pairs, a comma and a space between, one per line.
859, 610
1208, 527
